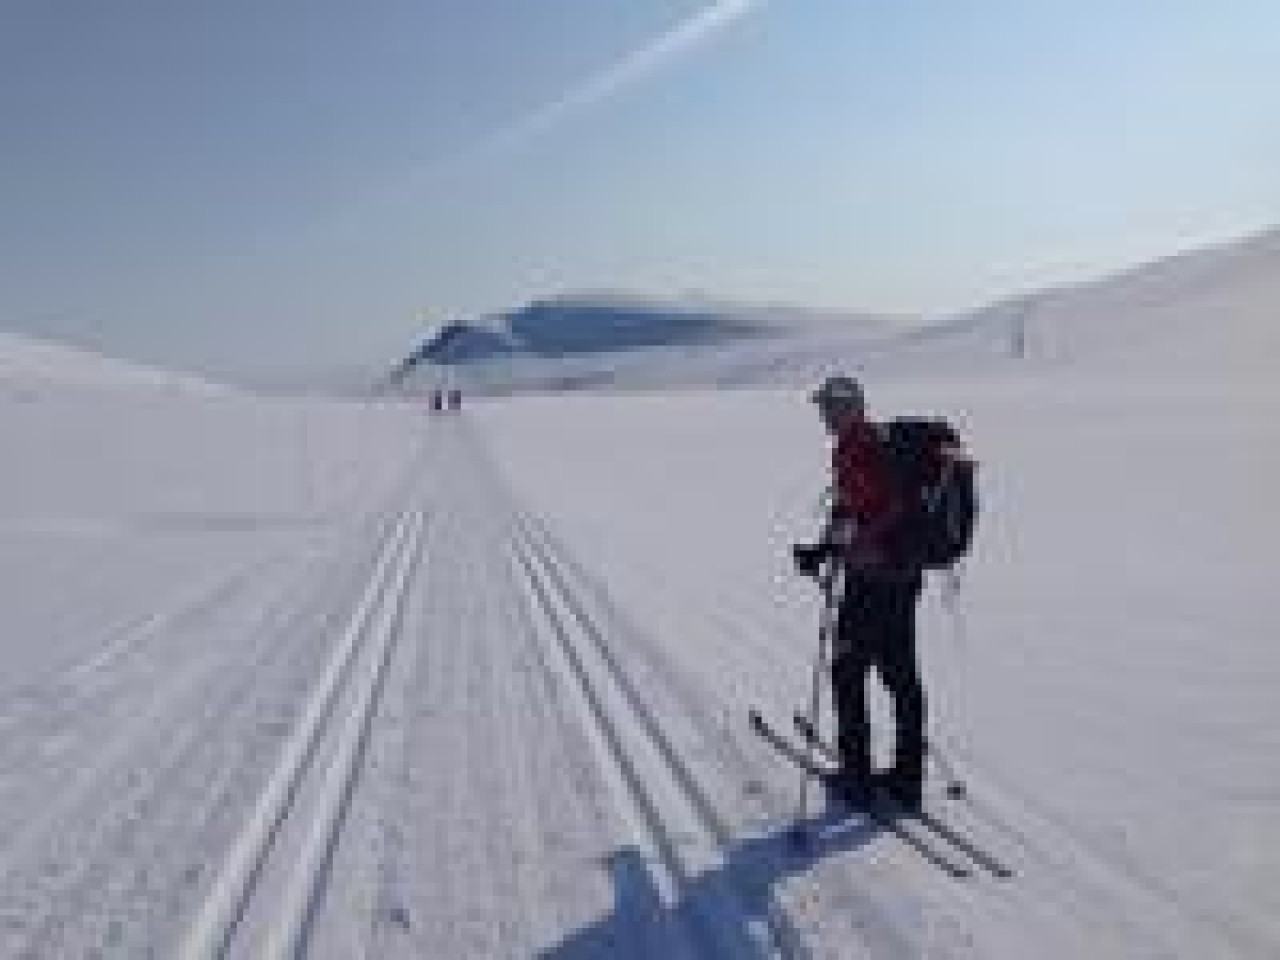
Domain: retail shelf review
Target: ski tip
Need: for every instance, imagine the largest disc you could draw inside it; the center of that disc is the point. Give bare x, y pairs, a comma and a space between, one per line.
754, 718
805, 726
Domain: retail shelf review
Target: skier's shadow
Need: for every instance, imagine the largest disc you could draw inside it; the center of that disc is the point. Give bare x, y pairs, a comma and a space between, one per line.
640, 925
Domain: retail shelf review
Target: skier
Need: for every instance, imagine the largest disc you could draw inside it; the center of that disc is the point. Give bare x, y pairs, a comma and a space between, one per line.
876, 619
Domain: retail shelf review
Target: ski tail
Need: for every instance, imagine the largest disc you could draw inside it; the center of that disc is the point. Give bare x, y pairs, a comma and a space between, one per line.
934, 839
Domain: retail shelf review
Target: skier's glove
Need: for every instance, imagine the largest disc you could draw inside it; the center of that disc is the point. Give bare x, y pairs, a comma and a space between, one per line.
809, 558
864, 555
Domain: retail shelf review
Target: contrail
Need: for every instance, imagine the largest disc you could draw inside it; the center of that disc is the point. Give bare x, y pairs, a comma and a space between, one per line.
681, 40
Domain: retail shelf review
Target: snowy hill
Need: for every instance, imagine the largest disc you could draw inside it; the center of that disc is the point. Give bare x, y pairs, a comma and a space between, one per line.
27, 361
1211, 311
91, 442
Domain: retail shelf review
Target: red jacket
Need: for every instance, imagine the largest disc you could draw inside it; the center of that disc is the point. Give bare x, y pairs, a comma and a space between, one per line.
864, 488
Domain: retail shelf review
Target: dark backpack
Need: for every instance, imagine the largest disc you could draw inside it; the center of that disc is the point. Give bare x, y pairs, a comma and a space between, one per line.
937, 477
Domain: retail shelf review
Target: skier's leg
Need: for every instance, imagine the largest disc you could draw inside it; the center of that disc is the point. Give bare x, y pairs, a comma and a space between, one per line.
849, 685
849, 689
901, 676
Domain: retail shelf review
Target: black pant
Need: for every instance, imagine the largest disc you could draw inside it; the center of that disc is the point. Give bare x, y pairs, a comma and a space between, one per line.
877, 628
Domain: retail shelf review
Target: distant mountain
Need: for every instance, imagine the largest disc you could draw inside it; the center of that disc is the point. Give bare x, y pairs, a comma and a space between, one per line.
575, 326
602, 340
455, 342
1211, 312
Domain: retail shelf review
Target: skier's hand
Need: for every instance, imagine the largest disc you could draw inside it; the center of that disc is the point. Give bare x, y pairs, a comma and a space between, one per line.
809, 558
841, 532
864, 554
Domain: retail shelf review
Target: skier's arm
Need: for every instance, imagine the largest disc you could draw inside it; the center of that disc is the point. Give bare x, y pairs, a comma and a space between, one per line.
835, 539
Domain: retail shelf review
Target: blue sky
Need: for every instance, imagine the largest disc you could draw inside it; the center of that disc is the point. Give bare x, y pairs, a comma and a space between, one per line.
254, 185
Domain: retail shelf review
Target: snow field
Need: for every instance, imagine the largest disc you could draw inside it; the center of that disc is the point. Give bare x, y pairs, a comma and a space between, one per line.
308, 678
1075, 688
532, 741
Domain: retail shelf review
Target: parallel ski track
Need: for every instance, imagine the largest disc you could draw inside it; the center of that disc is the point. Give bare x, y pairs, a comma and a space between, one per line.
110, 863
306, 882
355, 674
480, 828
580, 642
873, 922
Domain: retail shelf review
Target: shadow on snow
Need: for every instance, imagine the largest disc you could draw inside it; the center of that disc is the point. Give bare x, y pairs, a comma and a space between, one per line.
714, 911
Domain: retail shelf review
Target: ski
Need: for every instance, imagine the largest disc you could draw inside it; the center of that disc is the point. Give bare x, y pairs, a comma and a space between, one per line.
804, 726
962, 842
957, 789
789, 749
965, 844
900, 827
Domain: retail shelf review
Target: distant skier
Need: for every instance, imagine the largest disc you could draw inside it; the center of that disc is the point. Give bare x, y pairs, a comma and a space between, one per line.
882, 585
455, 399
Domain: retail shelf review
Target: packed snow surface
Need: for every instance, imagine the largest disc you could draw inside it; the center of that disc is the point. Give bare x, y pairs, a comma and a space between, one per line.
298, 677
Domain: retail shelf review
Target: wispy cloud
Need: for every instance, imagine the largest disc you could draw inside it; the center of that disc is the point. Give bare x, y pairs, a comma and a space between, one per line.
680, 41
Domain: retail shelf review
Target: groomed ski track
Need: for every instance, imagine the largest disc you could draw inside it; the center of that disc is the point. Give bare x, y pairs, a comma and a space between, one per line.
435, 733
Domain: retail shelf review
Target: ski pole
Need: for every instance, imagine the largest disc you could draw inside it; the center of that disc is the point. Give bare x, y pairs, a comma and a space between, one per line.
826, 583
951, 585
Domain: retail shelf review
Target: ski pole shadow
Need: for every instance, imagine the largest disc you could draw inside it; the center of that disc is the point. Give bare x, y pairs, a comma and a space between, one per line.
713, 913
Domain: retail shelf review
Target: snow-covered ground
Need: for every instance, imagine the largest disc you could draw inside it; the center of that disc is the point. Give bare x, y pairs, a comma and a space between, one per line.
1105, 678
286, 677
